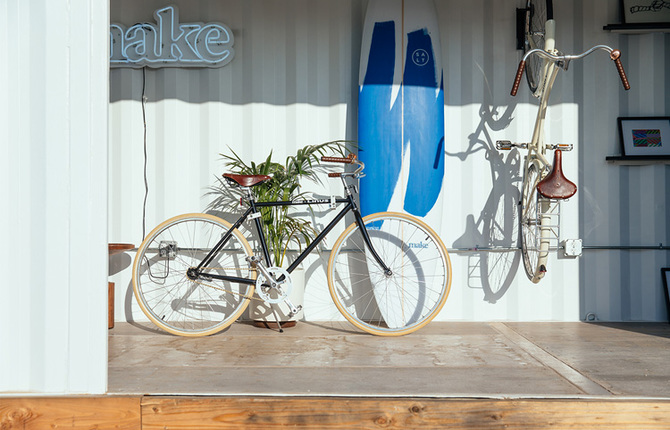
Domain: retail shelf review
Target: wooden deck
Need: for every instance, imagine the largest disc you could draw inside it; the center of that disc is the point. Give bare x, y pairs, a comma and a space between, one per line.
199, 413
448, 375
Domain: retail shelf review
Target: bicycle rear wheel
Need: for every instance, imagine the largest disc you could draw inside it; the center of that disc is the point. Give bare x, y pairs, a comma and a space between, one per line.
537, 14
402, 301
177, 303
534, 248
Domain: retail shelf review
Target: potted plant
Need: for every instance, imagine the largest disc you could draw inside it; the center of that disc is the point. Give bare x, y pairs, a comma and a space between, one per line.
281, 227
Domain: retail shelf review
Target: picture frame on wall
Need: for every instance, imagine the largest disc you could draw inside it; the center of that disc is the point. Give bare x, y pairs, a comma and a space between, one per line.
644, 136
645, 11
665, 275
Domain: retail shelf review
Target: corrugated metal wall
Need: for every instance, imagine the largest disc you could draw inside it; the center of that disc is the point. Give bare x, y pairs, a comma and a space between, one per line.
293, 82
621, 205
53, 187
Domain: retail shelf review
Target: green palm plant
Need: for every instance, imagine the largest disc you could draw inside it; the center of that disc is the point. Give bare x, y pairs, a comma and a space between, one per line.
280, 226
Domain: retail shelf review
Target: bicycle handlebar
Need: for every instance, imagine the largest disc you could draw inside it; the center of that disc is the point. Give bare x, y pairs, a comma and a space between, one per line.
615, 55
517, 78
350, 159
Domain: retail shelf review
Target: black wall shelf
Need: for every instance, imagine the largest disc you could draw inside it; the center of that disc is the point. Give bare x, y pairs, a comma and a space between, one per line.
638, 160
641, 28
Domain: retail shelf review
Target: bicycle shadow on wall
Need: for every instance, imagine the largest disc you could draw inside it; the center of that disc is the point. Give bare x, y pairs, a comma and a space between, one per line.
492, 238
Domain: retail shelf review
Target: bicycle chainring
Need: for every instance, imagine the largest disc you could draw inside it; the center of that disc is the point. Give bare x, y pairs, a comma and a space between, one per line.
274, 290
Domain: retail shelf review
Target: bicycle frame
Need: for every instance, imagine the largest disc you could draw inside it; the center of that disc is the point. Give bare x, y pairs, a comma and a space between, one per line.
254, 214
536, 148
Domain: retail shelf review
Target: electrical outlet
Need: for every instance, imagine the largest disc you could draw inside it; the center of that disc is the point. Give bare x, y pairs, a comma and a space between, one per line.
572, 248
167, 249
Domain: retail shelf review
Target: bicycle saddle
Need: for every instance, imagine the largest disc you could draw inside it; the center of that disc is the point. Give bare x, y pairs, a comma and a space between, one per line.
246, 180
556, 185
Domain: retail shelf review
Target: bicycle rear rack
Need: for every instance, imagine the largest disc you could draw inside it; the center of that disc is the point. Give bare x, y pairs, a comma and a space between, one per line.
553, 213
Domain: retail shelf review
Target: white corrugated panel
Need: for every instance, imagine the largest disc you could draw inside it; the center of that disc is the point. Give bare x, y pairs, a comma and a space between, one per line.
293, 82
622, 205
53, 117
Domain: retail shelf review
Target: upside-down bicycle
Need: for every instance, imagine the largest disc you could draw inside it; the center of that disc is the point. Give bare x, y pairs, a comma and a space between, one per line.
544, 184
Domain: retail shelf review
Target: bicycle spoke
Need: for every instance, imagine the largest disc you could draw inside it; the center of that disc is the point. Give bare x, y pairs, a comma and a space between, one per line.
399, 302
171, 299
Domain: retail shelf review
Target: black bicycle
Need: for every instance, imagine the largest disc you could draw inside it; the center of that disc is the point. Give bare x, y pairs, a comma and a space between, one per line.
388, 273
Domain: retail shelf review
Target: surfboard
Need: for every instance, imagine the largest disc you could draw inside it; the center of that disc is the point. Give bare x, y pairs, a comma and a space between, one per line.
401, 109
401, 112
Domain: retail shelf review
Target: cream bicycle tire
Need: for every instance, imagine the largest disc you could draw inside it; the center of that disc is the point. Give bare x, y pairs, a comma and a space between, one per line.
178, 304
534, 246
400, 303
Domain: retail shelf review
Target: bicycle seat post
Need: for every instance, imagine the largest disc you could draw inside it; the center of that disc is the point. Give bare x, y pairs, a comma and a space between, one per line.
250, 196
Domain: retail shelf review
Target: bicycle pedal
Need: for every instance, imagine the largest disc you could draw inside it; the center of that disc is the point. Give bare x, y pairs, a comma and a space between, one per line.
504, 145
563, 146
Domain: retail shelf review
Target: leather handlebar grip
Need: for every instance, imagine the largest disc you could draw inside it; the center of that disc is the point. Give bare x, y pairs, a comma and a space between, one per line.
616, 57
517, 79
334, 175
351, 159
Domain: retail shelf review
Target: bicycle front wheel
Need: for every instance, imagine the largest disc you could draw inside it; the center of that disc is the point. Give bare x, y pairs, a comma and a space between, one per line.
402, 300
192, 306
534, 248
537, 14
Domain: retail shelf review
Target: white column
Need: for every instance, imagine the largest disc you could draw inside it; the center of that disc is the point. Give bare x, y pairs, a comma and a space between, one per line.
53, 189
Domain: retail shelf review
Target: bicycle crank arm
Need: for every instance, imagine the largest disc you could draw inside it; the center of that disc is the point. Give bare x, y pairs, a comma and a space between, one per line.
293, 309
506, 145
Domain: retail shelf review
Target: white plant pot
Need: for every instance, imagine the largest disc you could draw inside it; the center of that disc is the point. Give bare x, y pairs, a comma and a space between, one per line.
263, 312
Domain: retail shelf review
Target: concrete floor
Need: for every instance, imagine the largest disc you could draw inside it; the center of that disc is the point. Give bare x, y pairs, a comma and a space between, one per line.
453, 359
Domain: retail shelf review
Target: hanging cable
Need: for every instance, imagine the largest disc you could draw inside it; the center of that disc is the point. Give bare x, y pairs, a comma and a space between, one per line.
144, 121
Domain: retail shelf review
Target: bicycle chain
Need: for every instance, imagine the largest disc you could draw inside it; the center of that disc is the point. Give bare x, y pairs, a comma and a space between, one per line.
228, 291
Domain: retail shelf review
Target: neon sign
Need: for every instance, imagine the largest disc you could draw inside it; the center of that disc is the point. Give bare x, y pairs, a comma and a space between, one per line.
167, 43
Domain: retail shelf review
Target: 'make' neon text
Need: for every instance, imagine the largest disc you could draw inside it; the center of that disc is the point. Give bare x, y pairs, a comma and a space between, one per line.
167, 43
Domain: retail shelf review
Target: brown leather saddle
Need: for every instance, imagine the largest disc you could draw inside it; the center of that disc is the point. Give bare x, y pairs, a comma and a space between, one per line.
556, 185
246, 180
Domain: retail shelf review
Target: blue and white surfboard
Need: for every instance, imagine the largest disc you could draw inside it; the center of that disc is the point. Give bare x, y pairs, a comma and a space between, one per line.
401, 110
401, 125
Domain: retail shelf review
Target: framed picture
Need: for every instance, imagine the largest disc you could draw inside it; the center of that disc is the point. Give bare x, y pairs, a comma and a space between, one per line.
665, 274
644, 136
645, 11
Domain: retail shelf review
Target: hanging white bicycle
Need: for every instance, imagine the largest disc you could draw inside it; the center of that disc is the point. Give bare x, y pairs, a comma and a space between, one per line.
544, 184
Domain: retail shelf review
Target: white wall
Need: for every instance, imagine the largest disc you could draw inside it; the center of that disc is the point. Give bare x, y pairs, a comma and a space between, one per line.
293, 82
622, 205
53, 188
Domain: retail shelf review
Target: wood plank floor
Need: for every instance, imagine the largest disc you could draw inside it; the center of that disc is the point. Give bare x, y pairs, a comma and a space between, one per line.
199, 413
448, 375
490, 360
